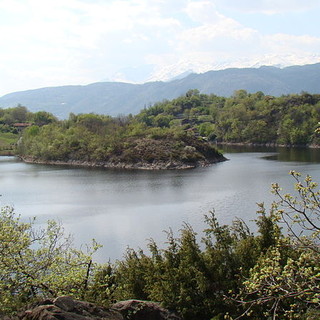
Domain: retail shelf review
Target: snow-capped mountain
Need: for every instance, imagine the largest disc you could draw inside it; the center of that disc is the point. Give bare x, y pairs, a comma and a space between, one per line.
180, 68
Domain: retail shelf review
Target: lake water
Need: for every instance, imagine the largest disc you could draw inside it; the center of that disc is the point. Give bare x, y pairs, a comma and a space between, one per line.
125, 208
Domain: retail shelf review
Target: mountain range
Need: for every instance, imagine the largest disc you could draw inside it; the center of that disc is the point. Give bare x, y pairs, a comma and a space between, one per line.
115, 98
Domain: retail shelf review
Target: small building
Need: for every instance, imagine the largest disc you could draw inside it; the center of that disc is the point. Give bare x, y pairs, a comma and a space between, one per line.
21, 125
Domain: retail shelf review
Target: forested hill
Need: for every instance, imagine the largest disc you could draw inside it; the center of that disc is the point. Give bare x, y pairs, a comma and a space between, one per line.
114, 98
170, 134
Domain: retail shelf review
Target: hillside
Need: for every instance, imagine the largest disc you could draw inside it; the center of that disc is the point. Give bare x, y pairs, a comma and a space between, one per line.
115, 98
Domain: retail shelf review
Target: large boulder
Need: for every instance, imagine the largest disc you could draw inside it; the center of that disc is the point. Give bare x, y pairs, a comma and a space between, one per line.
66, 308
143, 310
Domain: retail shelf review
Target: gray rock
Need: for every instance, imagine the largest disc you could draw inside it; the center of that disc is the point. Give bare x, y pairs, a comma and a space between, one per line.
143, 310
66, 308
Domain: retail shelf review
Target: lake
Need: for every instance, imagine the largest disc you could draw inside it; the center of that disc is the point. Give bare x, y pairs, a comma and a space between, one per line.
125, 208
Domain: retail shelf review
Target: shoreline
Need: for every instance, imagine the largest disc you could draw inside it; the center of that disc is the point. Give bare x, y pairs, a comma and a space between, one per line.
156, 165
268, 145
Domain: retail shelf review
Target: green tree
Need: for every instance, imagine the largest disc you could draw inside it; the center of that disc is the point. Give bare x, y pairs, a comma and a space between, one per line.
301, 212
19, 113
42, 118
285, 282
39, 263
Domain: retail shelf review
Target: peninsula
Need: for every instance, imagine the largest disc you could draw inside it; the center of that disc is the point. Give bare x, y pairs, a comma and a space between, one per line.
148, 153
124, 142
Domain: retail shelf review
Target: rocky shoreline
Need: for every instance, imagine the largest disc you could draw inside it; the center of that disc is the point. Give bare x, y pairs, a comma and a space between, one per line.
142, 165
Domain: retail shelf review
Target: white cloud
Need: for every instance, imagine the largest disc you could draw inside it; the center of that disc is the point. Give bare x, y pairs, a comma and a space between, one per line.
284, 43
227, 29
47, 42
269, 6
203, 12
214, 37
216, 32
218, 41
85, 38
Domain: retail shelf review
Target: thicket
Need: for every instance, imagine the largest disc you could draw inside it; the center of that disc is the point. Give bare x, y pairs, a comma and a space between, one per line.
227, 273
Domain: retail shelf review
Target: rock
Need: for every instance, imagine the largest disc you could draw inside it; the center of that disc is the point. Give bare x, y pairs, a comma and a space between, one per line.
66, 308
143, 310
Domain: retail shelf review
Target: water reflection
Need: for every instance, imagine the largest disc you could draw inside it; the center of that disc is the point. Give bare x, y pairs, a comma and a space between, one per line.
309, 155
246, 149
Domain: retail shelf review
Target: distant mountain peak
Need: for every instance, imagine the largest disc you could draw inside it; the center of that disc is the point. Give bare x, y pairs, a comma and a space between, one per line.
173, 71
181, 75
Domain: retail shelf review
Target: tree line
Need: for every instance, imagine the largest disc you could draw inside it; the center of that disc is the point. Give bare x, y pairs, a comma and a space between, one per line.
253, 118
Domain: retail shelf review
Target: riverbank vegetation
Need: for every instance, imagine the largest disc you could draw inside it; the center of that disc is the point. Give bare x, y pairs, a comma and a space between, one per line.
169, 134
227, 272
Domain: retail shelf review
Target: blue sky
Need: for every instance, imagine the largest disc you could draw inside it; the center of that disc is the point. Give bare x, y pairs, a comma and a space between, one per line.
51, 43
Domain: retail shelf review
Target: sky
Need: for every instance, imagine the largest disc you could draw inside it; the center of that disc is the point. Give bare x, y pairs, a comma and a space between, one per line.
70, 42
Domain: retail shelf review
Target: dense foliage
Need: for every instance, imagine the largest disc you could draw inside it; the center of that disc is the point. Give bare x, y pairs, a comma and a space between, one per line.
231, 274
12, 120
37, 263
107, 141
169, 130
242, 118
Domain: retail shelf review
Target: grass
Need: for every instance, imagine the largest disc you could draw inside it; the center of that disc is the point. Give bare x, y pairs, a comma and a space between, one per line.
8, 141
